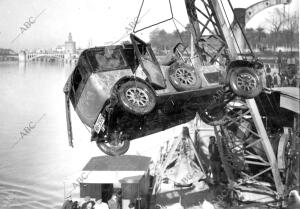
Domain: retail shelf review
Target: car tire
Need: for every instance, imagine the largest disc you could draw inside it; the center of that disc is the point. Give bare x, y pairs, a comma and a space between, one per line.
183, 77
114, 150
245, 82
136, 97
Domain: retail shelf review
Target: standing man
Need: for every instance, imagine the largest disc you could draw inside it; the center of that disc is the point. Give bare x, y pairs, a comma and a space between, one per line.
279, 61
113, 202
215, 160
269, 79
68, 203
275, 80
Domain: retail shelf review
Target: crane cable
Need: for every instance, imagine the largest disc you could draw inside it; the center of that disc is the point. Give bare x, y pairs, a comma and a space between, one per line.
171, 18
139, 13
137, 19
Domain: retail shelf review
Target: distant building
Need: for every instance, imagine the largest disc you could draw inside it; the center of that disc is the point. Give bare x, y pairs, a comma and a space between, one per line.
6, 51
60, 49
70, 45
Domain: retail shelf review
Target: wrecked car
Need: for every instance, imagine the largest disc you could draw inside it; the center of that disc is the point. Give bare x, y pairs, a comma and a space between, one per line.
122, 92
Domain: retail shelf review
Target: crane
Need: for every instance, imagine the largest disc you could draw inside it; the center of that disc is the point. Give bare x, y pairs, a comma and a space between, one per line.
247, 154
238, 153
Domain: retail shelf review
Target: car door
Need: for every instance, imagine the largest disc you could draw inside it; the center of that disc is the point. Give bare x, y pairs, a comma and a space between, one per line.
148, 62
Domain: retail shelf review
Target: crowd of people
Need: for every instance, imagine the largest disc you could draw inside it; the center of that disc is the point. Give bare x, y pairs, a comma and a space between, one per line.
279, 79
112, 203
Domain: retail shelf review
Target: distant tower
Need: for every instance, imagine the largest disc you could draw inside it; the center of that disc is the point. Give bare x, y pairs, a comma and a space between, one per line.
90, 44
70, 45
70, 37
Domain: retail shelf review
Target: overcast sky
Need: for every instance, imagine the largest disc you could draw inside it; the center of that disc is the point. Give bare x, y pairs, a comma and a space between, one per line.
102, 21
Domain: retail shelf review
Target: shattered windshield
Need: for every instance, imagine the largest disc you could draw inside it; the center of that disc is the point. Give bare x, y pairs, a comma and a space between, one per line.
107, 59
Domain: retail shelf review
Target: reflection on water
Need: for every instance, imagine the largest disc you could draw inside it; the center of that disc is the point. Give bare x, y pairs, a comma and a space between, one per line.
32, 171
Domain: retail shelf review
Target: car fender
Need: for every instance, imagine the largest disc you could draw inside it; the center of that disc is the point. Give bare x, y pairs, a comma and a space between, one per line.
234, 66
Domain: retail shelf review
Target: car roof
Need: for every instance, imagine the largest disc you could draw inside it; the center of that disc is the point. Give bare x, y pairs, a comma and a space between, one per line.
110, 47
126, 50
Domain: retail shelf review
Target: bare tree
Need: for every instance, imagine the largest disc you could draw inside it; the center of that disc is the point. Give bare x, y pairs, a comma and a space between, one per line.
261, 36
276, 22
292, 29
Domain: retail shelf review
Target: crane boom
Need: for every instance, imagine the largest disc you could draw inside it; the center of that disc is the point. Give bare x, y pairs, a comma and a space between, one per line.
213, 26
208, 22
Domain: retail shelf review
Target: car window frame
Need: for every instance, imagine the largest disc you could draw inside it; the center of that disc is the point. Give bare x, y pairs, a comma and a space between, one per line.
135, 42
103, 69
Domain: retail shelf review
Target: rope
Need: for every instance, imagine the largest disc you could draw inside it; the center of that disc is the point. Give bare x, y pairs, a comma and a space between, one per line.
138, 15
276, 112
264, 111
135, 31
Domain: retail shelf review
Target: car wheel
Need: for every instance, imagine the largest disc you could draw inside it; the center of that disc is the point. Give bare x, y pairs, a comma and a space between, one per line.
183, 77
136, 97
113, 148
245, 82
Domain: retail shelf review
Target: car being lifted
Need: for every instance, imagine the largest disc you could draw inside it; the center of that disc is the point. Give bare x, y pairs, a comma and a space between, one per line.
122, 93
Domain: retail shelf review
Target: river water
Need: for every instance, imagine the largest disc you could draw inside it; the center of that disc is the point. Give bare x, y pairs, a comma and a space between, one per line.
33, 165
37, 167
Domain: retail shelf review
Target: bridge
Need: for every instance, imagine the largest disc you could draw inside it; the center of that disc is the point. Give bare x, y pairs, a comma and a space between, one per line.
48, 56
33, 56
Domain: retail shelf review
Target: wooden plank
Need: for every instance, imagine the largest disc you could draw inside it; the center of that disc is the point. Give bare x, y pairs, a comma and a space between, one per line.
281, 149
290, 103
